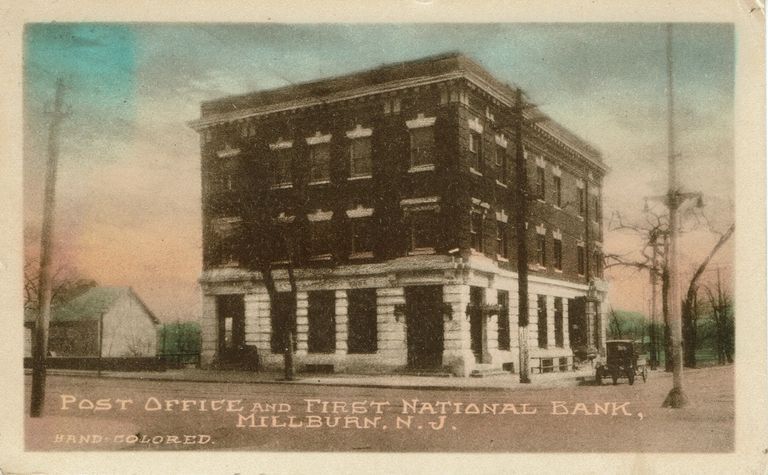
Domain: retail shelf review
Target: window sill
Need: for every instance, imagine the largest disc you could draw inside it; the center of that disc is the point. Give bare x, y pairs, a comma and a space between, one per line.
283, 262
421, 168
281, 186
503, 185
361, 255
321, 257
421, 251
474, 172
360, 177
319, 182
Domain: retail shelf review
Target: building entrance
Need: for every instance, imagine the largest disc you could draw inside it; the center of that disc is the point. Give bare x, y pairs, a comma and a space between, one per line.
424, 323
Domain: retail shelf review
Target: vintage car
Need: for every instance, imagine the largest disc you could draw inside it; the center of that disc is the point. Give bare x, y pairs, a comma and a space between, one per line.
622, 359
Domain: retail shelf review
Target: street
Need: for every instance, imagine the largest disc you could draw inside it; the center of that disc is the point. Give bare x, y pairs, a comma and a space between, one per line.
85, 413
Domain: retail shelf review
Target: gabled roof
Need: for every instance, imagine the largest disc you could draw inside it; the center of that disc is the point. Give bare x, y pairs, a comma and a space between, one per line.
90, 305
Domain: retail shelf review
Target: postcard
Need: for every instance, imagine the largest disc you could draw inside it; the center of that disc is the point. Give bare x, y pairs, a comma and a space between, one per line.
516, 240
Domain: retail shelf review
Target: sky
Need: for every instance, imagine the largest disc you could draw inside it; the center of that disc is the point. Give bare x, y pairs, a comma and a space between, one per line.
128, 195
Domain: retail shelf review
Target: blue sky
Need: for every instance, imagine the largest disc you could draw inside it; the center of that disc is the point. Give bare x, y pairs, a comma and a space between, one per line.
129, 192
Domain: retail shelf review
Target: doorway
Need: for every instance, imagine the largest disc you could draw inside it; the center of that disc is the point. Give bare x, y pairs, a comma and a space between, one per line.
424, 322
230, 315
577, 322
477, 322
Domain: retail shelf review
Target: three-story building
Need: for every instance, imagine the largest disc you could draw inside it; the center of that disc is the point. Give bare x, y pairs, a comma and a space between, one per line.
390, 193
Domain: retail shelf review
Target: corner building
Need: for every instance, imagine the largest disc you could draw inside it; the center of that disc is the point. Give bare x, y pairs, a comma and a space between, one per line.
391, 194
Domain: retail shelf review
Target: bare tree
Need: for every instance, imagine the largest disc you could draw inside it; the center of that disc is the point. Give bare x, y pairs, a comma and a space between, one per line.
652, 232
690, 302
67, 284
721, 305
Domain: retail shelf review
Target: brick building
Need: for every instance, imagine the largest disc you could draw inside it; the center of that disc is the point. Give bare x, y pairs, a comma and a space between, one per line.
392, 194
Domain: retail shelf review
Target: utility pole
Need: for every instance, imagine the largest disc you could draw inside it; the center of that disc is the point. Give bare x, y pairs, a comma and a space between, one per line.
676, 397
40, 349
521, 216
653, 334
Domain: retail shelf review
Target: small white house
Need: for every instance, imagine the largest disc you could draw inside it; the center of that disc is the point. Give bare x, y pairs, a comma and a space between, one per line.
113, 319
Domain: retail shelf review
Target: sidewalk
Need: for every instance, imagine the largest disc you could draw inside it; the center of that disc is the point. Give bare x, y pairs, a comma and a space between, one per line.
394, 381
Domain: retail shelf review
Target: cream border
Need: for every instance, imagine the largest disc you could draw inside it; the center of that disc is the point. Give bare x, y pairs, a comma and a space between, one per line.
750, 238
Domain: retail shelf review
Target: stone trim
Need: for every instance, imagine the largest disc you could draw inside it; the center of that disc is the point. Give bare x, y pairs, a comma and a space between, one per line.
359, 132
420, 121
281, 145
318, 139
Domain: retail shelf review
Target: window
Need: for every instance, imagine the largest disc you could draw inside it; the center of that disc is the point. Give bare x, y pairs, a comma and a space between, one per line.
321, 334
540, 184
541, 305
558, 191
558, 254
503, 301
502, 242
422, 146
362, 236
319, 163
279, 241
597, 268
281, 166
582, 200
423, 230
596, 204
321, 238
360, 157
476, 230
361, 322
476, 151
559, 322
580, 258
501, 162
541, 250
226, 234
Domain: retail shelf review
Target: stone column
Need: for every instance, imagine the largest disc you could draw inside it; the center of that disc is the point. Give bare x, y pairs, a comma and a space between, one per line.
263, 323
514, 328
550, 321
491, 334
342, 305
457, 353
302, 322
590, 311
208, 331
252, 302
391, 342
533, 323
566, 325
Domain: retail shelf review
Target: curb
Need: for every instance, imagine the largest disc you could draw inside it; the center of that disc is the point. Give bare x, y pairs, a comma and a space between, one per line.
574, 380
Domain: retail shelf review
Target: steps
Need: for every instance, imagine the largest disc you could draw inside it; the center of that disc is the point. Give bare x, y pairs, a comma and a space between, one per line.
486, 370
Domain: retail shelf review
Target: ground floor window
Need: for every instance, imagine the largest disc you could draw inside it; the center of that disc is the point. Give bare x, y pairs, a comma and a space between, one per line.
559, 321
321, 336
542, 321
503, 300
362, 321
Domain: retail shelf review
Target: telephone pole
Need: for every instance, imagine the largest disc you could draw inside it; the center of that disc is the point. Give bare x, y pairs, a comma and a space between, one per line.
676, 397
40, 349
521, 234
